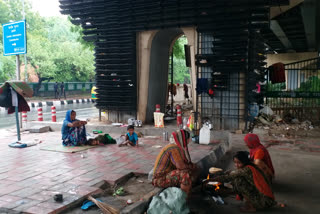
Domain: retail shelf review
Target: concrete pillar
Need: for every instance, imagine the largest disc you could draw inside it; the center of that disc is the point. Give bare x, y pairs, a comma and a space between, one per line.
191, 34
143, 58
144, 44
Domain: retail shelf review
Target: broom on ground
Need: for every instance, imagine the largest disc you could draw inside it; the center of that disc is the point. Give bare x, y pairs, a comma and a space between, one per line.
105, 208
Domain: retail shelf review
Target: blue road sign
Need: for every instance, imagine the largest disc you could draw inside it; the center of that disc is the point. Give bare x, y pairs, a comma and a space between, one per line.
14, 38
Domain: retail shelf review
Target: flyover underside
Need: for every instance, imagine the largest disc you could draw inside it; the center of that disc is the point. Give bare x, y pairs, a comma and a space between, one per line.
112, 26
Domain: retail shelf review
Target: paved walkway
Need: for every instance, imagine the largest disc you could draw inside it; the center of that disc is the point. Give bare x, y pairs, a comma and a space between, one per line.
30, 177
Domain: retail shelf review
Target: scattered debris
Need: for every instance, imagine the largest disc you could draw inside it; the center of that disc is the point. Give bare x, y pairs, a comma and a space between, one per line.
120, 191
129, 202
239, 131
288, 126
139, 134
218, 199
58, 197
295, 121
267, 111
105, 208
264, 121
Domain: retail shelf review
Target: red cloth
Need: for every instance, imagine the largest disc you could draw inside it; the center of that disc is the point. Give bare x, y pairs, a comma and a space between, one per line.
257, 150
277, 73
261, 183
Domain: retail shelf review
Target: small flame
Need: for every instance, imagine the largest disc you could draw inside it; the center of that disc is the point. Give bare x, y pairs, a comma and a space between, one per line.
217, 187
208, 177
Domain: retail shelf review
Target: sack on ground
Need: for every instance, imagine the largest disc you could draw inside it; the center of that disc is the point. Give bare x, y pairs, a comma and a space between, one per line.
158, 120
171, 200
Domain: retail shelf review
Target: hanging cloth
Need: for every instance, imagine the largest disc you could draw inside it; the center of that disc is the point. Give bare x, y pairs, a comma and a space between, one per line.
202, 85
22, 105
14, 97
5, 96
277, 73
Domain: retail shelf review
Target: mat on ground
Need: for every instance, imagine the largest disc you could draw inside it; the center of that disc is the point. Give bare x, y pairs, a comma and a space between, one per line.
67, 149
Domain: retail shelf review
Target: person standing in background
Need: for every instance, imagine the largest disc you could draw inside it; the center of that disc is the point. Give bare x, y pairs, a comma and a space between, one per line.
62, 91
56, 92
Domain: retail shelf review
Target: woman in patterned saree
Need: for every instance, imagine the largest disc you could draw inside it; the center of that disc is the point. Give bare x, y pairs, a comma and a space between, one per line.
250, 183
173, 166
73, 131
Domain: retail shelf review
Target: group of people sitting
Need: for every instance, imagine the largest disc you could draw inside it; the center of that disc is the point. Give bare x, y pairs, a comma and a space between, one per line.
251, 180
74, 134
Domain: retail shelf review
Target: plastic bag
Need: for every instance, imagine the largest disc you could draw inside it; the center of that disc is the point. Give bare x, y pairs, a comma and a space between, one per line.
158, 120
171, 200
267, 110
121, 139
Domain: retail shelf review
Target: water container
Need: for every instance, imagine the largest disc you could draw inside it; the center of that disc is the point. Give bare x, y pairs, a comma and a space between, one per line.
206, 135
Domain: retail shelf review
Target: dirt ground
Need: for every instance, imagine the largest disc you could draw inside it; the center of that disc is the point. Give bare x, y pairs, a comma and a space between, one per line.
296, 184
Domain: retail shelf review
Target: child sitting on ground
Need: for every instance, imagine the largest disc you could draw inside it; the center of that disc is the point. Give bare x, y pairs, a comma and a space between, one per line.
131, 137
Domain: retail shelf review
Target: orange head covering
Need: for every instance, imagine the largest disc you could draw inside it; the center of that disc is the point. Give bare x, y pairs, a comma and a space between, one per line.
253, 142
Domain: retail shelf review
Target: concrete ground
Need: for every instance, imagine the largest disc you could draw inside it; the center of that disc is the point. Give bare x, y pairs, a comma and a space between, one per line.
30, 177
297, 180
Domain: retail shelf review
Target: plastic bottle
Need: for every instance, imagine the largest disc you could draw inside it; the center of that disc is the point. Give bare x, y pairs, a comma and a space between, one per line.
185, 121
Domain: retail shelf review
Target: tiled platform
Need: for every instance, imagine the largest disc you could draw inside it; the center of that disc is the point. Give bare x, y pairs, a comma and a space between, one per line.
30, 177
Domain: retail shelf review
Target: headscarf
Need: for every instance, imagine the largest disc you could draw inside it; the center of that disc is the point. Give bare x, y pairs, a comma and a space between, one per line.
180, 138
65, 128
254, 145
260, 181
68, 116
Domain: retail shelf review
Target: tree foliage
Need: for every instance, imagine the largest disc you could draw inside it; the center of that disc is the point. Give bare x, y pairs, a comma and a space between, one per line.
55, 50
181, 72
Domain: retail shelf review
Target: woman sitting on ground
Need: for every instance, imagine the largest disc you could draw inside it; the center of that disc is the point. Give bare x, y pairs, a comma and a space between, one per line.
249, 183
73, 130
259, 155
173, 166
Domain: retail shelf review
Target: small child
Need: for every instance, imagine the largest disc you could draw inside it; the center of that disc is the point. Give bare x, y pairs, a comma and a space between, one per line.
131, 137
92, 142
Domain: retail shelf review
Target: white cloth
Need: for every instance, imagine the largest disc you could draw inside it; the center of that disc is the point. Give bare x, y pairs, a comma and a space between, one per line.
14, 98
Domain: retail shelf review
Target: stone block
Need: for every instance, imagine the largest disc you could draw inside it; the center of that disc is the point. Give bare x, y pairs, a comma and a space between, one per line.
39, 129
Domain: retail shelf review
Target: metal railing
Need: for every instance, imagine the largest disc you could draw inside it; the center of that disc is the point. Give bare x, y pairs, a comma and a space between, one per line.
68, 86
299, 95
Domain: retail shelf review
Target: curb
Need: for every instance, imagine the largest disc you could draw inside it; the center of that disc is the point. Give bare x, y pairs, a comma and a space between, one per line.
54, 103
57, 102
204, 164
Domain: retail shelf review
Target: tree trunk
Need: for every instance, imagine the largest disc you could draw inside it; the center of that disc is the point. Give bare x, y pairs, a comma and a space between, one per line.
41, 79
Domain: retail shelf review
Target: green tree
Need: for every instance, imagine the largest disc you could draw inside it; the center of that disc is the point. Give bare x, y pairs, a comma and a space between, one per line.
180, 70
56, 50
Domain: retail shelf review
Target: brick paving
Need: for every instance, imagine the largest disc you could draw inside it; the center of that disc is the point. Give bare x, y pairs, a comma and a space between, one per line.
29, 177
